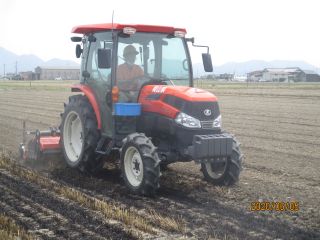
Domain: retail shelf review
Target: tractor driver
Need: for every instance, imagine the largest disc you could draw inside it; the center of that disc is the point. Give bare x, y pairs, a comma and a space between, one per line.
128, 74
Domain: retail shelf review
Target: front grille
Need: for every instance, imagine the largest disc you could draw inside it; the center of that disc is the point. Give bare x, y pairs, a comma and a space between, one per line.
195, 109
207, 124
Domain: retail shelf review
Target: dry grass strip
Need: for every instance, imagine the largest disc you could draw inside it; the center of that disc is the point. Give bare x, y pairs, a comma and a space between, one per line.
10, 231
168, 223
109, 210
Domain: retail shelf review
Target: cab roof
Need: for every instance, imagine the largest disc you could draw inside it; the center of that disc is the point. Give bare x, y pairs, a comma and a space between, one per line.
84, 29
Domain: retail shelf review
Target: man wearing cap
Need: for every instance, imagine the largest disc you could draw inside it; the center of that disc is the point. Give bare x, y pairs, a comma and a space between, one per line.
128, 72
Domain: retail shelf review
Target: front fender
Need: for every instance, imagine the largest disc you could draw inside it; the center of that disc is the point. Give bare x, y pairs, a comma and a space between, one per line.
88, 92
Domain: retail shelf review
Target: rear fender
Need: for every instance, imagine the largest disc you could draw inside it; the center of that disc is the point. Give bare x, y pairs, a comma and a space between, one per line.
88, 92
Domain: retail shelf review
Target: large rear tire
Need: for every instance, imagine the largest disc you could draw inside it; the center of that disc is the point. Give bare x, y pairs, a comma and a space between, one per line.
80, 135
225, 171
140, 164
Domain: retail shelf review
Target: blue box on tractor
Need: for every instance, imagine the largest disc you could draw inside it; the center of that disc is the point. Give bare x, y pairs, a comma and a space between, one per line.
127, 109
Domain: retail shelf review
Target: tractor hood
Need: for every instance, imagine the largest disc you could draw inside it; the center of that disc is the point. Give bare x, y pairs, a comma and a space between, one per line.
170, 100
186, 93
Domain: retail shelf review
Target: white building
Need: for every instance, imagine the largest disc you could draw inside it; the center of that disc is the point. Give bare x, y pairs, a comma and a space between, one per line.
51, 73
283, 75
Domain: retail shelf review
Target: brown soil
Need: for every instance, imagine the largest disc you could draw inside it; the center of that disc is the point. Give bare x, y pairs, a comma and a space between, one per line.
280, 134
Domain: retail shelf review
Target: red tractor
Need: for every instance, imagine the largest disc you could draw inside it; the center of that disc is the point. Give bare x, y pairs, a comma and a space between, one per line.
147, 117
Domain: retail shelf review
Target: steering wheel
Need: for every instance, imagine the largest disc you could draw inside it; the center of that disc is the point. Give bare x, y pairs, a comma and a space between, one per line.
143, 80
126, 85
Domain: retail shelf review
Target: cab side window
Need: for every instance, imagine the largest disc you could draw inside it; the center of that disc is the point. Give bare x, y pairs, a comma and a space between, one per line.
103, 40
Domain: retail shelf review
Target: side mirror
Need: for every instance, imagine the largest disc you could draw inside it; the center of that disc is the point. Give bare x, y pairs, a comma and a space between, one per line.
207, 62
206, 57
79, 50
104, 58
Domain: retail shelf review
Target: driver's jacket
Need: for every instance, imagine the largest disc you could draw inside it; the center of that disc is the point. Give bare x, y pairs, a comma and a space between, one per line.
127, 76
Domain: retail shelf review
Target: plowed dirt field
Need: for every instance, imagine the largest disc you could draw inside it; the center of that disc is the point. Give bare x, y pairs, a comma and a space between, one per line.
279, 130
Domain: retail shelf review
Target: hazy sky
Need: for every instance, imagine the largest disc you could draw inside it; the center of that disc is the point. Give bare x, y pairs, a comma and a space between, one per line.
234, 30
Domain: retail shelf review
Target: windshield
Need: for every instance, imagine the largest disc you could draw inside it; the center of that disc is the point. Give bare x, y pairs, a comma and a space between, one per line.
157, 56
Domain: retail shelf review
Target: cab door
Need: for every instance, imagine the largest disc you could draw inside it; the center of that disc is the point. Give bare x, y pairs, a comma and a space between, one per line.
99, 79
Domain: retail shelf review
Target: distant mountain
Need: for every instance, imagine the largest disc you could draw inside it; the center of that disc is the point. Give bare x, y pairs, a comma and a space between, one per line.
28, 62
59, 62
242, 68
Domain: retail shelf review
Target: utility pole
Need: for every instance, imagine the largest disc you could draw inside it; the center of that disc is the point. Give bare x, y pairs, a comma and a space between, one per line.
16, 68
4, 70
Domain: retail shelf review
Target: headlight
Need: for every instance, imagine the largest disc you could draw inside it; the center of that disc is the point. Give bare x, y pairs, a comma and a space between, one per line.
187, 121
217, 122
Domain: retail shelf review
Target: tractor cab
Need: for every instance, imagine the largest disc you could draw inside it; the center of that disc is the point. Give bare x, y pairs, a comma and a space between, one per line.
119, 60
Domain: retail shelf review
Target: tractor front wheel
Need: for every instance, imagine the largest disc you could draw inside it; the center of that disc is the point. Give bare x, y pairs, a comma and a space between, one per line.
225, 170
140, 164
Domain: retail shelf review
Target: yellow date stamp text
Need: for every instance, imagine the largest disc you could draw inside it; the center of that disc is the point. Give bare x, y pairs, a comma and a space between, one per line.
275, 206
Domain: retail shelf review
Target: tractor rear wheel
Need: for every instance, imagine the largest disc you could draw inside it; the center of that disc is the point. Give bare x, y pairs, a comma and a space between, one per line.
224, 171
79, 134
140, 164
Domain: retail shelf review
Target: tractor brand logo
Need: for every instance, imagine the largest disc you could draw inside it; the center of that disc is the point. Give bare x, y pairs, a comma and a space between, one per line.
159, 89
207, 112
